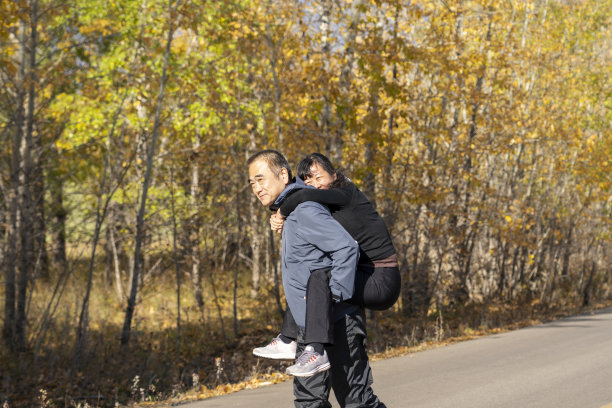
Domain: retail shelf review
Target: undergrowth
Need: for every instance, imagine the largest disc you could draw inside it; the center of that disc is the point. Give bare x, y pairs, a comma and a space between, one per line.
212, 356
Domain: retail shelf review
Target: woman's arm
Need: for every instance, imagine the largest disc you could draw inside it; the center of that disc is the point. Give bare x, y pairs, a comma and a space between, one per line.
339, 197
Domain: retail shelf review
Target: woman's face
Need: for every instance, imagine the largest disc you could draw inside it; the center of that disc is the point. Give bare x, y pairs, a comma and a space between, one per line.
319, 178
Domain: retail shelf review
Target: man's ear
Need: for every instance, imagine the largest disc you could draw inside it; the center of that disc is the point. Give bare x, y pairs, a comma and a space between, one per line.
284, 175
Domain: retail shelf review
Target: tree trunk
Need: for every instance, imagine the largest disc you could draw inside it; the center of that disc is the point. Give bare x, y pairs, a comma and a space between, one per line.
239, 234
38, 197
131, 305
36, 176
27, 226
256, 245
100, 215
465, 228
9, 328
273, 60
101, 211
177, 270
586, 293
194, 226
115, 262
59, 229
369, 179
331, 137
257, 236
387, 207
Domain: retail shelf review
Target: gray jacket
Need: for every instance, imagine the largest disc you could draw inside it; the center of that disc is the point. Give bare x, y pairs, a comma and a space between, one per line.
312, 239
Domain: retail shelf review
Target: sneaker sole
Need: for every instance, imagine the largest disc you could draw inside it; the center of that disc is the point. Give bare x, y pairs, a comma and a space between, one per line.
322, 367
275, 356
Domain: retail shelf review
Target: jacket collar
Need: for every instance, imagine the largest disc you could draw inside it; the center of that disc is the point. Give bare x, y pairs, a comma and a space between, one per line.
297, 184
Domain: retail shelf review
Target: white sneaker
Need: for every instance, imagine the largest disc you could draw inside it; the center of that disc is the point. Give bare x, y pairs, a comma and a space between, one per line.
277, 350
309, 363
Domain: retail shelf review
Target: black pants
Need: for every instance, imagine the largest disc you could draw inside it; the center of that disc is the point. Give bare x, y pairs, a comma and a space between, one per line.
375, 288
350, 375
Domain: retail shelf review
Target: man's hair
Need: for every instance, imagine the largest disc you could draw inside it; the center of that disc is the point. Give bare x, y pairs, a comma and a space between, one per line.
275, 160
304, 172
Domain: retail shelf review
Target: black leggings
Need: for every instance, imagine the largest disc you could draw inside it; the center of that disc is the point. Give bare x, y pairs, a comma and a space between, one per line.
375, 288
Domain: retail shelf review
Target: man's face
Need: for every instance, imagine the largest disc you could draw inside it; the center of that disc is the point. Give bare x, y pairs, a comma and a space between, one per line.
319, 178
267, 185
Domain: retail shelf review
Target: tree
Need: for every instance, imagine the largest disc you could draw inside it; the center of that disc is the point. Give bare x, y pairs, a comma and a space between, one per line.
140, 223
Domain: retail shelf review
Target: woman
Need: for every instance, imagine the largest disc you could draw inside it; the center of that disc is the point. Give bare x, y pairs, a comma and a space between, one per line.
377, 280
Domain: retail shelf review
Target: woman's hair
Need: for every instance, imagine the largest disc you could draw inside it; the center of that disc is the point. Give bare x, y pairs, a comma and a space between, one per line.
341, 180
303, 169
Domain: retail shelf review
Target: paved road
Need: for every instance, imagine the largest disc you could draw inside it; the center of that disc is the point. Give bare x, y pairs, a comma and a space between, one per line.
563, 364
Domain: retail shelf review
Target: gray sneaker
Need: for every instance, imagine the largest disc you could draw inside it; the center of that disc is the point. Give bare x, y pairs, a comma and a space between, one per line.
309, 363
277, 350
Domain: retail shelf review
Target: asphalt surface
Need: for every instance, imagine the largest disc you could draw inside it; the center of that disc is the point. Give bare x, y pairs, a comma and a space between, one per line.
562, 364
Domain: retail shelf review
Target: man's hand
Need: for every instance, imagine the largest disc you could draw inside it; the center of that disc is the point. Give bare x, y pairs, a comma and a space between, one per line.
277, 221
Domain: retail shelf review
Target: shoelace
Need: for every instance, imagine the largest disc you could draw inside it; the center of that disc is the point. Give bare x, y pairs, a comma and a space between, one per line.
307, 357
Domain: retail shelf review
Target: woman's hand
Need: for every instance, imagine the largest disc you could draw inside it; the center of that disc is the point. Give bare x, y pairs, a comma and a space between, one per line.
277, 221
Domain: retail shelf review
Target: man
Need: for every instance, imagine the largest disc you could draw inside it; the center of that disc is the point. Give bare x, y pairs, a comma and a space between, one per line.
313, 241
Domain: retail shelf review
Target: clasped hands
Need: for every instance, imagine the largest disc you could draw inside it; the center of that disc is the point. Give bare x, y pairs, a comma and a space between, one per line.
277, 221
